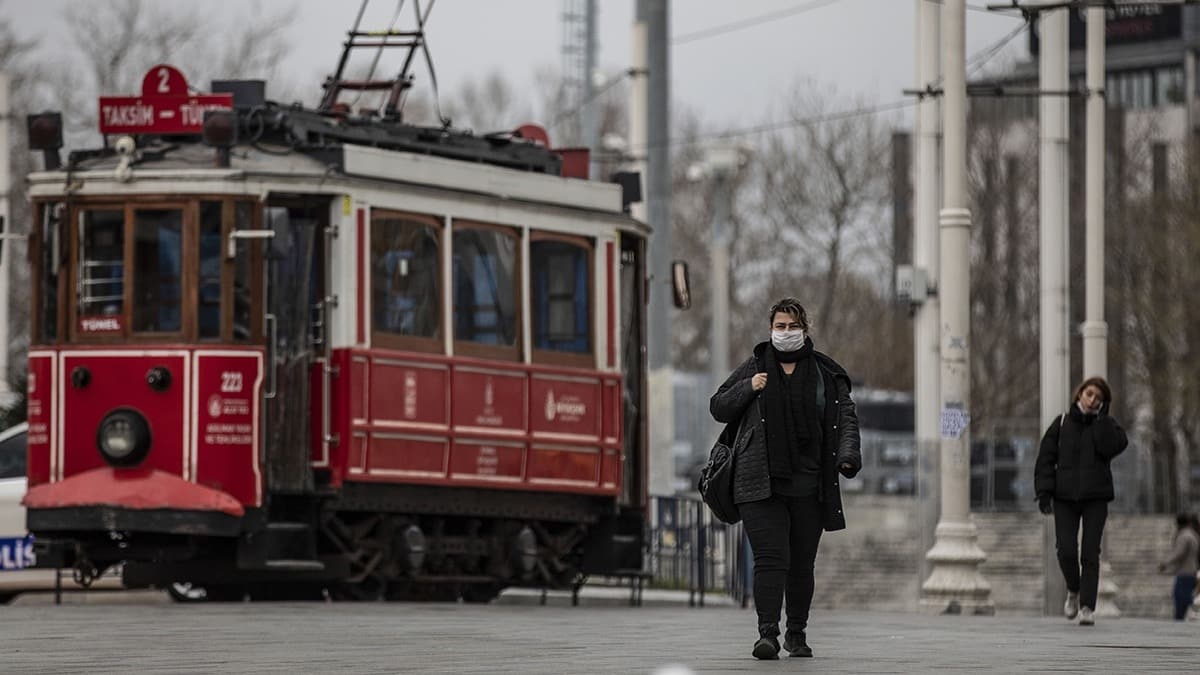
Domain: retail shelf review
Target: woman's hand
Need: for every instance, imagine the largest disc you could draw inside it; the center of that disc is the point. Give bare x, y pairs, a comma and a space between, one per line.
759, 381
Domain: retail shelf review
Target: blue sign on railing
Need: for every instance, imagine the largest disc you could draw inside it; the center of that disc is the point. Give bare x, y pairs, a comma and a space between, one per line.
16, 553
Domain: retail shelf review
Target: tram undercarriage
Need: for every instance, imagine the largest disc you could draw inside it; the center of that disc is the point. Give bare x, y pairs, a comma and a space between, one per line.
362, 555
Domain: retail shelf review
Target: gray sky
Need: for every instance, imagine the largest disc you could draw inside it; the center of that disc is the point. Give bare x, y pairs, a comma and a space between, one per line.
864, 47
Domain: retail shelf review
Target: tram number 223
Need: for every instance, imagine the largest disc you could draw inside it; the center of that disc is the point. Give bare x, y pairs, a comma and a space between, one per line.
231, 382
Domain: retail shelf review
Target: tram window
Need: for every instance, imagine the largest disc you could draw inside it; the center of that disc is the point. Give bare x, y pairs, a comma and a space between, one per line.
242, 286
405, 295
209, 304
157, 270
485, 288
561, 303
102, 264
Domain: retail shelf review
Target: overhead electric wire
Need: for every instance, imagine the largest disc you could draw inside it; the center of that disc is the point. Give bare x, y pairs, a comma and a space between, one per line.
752, 21
565, 115
983, 56
772, 16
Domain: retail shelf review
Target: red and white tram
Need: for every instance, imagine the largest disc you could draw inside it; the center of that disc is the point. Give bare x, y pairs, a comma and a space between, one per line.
288, 350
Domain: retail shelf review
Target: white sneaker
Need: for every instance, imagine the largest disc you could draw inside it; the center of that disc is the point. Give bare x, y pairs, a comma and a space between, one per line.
1086, 617
1071, 608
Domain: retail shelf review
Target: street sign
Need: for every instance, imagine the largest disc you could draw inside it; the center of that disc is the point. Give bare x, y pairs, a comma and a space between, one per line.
1124, 24
165, 106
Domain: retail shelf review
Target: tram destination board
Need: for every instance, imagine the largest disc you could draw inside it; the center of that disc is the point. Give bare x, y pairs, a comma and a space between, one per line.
166, 106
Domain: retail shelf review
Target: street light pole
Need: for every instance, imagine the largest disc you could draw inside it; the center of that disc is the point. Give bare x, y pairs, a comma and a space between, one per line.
955, 582
926, 360
1053, 260
721, 164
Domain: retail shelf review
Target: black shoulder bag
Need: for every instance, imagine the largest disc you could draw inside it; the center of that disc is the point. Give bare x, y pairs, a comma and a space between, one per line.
716, 478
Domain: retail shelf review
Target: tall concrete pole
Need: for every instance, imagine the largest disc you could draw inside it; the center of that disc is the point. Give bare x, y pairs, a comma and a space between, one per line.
722, 163
927, 200
588, 118
651, 20
6, 257
955, 580
1095, 330
1053, 206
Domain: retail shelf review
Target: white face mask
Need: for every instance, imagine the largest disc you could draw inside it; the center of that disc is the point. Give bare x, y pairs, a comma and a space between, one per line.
788, 340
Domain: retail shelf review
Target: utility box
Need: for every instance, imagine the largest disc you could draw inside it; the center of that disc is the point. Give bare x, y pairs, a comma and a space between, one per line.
911, 286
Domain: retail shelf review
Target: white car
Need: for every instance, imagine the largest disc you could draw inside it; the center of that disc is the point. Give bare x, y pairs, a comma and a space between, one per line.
17, 558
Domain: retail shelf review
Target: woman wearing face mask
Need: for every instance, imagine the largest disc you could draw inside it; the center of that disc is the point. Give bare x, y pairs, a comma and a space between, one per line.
1073, 481
798, 429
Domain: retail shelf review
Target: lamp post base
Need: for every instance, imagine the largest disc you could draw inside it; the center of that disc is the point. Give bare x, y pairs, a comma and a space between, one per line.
955, 584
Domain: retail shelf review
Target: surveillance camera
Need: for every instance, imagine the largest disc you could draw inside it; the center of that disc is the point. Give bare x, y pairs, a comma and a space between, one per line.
126, 145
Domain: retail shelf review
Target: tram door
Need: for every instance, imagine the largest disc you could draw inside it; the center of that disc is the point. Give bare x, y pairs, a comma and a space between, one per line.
295, 287
633, 361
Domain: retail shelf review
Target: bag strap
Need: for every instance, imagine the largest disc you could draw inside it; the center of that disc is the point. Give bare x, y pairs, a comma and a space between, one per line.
742, 422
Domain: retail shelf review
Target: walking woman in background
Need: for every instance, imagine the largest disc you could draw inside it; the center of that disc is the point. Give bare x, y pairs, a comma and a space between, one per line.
1182, 562
1073, 480
798, 429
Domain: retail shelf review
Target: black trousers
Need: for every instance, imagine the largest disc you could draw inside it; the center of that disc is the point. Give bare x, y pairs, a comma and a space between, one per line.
1067, 516
784, 533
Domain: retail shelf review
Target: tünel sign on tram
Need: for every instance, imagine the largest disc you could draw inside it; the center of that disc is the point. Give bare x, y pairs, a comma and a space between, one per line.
165, 107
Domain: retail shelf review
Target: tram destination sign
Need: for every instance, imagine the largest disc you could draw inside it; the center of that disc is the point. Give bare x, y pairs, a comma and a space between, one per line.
1125, 24
166, 106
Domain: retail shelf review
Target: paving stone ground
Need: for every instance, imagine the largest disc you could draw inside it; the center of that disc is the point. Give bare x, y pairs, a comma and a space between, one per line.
123, 633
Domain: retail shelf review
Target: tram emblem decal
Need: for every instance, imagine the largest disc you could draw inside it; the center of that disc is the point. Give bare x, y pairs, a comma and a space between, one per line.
490, 417
565, 408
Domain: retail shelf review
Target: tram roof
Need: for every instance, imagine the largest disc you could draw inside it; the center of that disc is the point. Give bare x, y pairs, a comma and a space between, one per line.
329, 167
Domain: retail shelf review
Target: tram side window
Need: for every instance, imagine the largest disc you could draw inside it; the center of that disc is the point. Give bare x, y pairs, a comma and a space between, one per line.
405, 294
209, 305
102, 264
157, 270
561, 303
485, 288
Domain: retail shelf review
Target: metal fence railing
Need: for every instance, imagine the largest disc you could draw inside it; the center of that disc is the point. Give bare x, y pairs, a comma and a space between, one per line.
689, 549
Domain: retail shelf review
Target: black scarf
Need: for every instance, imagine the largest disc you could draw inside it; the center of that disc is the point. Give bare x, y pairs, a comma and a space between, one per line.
792, 426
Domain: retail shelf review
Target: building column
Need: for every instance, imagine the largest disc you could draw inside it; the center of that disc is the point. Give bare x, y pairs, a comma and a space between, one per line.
955, 584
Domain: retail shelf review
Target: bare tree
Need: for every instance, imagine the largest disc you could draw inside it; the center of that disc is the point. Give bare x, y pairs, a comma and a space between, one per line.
24, 73
807, 220
1004, 283
825, 188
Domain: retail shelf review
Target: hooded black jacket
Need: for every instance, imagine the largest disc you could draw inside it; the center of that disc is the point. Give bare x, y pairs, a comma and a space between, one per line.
1073, 460
734, 403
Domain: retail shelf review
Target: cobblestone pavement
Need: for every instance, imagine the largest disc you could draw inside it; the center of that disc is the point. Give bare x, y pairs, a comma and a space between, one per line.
146, 635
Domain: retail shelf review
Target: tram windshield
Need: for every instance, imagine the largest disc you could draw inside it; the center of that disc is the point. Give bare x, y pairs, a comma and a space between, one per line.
144, 271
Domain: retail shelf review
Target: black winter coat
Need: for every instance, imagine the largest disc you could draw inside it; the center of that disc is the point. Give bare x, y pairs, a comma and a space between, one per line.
735, 403
1073, 460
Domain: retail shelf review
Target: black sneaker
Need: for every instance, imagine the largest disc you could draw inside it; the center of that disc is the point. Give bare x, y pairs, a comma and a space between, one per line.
795, 645
766, 648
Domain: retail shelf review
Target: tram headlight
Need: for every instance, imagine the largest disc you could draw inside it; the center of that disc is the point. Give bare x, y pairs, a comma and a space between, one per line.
123, 437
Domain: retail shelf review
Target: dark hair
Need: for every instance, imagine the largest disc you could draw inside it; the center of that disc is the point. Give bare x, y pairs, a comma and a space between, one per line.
1183, 520
1097, 382
792, 308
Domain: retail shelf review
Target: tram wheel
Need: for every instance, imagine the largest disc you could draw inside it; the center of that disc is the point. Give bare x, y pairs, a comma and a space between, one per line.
480, 593
367, 590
